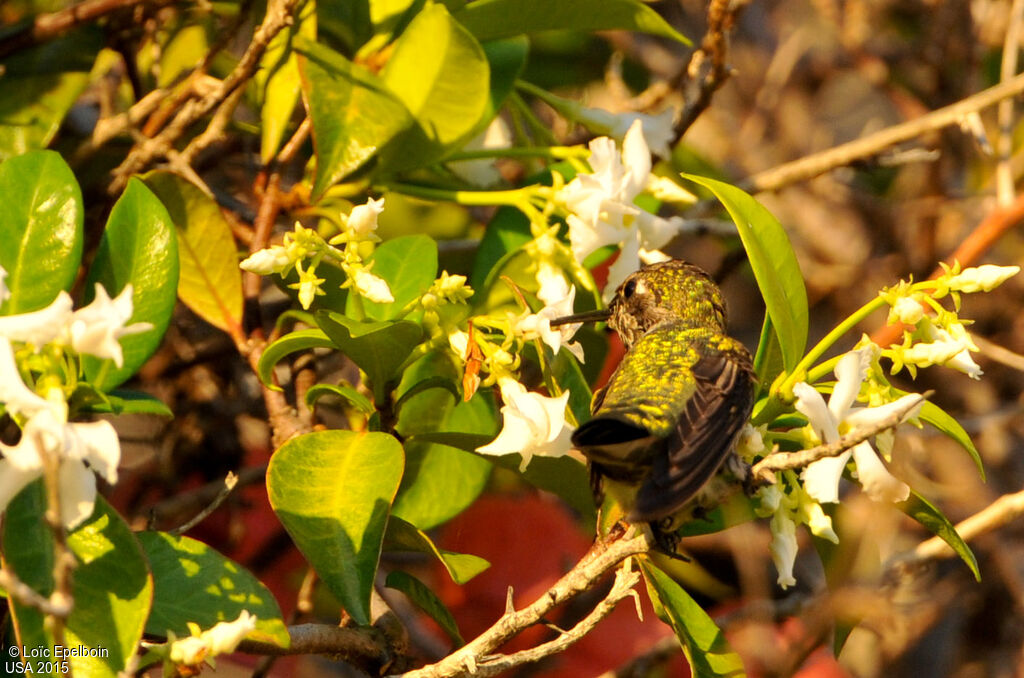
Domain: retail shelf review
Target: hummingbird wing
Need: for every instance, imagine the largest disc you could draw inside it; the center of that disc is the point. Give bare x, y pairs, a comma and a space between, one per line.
703, 437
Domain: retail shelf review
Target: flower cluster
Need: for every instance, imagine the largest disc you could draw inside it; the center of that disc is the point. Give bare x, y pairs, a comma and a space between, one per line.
601, 210
304, 249
36, 398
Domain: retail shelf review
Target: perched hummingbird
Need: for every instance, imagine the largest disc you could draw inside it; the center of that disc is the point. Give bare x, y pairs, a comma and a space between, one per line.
671, 413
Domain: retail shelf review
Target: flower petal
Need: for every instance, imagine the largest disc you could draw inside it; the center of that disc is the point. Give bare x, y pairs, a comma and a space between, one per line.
810, 403
850, 373
17, 398
784, 547
821, 479
879, 484
77, 493
38, 327
98, 444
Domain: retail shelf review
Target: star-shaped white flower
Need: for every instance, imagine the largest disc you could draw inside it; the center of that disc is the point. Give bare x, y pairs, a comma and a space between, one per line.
372, 287
38, 327
362, 220
821, 479
533, 424
47, 432
97, 328
601, 206
538, 325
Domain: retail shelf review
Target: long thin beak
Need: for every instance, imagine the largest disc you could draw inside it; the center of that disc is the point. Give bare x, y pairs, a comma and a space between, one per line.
597, 315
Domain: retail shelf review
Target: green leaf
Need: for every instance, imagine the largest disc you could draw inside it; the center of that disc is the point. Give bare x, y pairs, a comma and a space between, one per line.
426, 600
435, 381
928, 515
138, 247
507, 231
937, 417
774, 264
111, 586
490, 19
332, 491
703, 642
506, 59
39, 86
278, 80
194, 583
378, 348
440, 481
40, 228
404, 536
567, 373
127, 402
439, 71
353, 112
302, 340
209, 281
409, 265
354, 397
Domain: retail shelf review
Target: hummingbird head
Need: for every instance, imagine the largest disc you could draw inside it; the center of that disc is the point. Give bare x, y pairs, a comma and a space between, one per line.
669, 291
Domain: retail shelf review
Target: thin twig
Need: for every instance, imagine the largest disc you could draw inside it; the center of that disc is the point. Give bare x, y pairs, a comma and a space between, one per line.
1004, 142
278, 16
26, 595
214, 132
229, 484
625, 579
811, 166
601, 558
707, 69
1002, 511
764, 470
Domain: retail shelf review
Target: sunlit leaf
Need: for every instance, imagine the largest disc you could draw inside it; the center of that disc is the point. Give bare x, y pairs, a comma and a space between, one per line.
301, 340
409, 265
209, 280
332, 491
404, 536
194, 583
490, 19
138, 247
40, 229
928, 515
111, 587
278, 80
426, 600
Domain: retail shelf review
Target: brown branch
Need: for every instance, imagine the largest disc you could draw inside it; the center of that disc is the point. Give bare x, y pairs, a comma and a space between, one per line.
278, 16
229, 484
1002, 511
362, 647
1005, 116
707, 69
601, 558
46, 27
811, 166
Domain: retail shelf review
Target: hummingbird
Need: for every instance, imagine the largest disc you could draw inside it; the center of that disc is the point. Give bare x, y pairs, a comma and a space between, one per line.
670, 415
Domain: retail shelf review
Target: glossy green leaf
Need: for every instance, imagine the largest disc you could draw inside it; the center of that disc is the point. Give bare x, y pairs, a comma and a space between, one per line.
278, 80
40, 228
111, 587
928, 515
118, 402
378, 348
567, 373
774, 264
404, 536
507, 231
354, 397
332, 491
353, 112
209, 280
139, 247
490, 19
302, 340
506, 59
937, 417
440, 481
409, 265
703, 642
439, 71
426, 600
435, 381
194, 583
40, 85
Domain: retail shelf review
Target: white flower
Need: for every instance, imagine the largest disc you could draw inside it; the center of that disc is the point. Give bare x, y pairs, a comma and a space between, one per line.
362, 220
538, 325
372, 287
981, 278
948, 346
657, 129
784, 547
482, 172
789, 510
221, 639
273, 259
97, 328
47, 432
821, 479
533, 424
38, 327
602, 210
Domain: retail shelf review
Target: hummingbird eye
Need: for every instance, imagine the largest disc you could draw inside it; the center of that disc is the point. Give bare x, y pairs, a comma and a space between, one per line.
629, 288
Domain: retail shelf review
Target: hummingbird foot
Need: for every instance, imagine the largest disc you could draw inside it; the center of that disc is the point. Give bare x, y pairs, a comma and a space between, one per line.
667, 540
